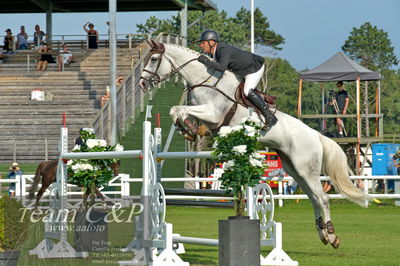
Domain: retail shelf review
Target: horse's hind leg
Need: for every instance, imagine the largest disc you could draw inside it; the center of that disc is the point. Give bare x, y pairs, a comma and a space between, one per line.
309, 181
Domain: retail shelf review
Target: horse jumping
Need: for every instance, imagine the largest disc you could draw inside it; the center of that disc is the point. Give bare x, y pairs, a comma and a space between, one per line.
304, 152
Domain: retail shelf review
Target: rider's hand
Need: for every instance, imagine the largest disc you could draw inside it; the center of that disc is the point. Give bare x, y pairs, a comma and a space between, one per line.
202, 59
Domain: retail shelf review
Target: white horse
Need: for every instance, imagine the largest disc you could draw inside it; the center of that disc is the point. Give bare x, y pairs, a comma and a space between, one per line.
304, 152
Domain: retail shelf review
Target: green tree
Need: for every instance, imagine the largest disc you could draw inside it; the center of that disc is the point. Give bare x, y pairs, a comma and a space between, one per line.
263, 35
233, 30
371, 47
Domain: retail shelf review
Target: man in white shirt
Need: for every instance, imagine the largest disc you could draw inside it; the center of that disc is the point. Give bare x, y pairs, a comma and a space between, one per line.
64, 58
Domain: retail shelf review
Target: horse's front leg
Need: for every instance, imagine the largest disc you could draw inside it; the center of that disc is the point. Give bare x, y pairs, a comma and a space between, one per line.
204, 112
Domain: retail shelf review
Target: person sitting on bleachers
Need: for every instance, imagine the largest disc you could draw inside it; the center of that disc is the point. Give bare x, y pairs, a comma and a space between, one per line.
8, 41
65, 57
45, 58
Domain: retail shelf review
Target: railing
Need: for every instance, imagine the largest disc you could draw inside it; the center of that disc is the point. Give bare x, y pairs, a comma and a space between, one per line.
121, 189
368, 181
14, 143
123, 181
129, 97
81, 41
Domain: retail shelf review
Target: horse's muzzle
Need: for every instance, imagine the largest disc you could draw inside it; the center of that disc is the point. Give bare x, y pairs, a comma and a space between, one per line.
144, 85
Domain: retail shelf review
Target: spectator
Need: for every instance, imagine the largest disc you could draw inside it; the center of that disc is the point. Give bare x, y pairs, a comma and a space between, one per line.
38, 37
8, 40
342, 99
22, 38
14, 172
106, 96
93, 35
45, 58
64, 58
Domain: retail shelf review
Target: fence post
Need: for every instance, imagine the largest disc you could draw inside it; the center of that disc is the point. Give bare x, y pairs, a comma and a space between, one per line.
123, 110
280, 190
109, 122
133, 96
17, 184
14, 150
28, 63
102, 123
46, 152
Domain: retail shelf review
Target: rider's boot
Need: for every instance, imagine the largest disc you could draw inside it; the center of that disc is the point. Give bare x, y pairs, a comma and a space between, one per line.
258, 101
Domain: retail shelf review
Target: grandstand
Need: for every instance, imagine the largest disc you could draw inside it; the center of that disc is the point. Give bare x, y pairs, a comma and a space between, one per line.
29, 130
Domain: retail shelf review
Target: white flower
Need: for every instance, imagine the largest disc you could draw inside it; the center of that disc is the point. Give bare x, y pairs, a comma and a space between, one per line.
253, 119
228, 165
69, 162
255, 162
96, 142
89, 130
225, 131
250, 131
81, 167
101, 143
240, 149
215, 145
119, 147
77, 148
257, 155
237, 128
91, 143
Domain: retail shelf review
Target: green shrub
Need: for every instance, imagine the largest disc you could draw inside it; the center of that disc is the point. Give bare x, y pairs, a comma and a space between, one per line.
12, 228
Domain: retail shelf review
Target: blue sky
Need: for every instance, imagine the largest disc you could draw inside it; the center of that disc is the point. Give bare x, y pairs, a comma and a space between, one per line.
314, 29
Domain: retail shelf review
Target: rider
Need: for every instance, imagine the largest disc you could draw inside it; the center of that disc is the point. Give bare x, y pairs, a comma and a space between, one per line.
248, 66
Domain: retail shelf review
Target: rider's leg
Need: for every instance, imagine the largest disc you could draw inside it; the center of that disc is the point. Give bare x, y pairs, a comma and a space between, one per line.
250, 83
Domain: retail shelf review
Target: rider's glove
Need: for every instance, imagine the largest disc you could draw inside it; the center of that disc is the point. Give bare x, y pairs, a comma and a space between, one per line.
202, 59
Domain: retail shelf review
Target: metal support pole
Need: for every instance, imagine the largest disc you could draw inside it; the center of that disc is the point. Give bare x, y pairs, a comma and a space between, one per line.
113, 69
49, 24
183, 15
252, 25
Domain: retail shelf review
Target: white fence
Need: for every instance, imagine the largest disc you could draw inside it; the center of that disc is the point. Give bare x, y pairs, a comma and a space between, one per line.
120, 189
122, 182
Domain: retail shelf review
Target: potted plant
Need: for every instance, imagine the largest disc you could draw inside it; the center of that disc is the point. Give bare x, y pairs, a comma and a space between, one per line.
92, 174
12, 230
236, 148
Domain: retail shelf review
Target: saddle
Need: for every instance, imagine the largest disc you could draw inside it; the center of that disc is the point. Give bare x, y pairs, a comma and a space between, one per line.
242, 99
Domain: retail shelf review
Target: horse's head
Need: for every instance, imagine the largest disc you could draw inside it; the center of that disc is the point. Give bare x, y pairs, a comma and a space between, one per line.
156, 66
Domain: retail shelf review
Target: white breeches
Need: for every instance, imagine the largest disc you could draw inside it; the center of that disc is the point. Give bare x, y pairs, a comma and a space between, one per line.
251, 80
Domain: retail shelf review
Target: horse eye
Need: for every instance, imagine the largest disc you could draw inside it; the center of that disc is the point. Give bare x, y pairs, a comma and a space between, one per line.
153, 59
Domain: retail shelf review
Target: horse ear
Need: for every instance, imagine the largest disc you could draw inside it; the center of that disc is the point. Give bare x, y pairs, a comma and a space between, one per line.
150, 44
155, 44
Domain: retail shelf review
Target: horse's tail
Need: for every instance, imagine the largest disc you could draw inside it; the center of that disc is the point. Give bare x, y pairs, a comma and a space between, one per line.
334, 164
36, 180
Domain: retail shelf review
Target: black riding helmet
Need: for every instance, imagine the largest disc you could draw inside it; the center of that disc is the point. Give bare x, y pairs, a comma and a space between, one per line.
209, 35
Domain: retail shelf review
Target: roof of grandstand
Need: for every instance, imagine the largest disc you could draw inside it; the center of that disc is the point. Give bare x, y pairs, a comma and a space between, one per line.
68, 6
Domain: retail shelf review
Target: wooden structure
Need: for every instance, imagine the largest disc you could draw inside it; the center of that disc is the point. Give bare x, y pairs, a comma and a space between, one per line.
341, 68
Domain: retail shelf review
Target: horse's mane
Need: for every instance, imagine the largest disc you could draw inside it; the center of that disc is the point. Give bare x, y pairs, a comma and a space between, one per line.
195, 53
192, 53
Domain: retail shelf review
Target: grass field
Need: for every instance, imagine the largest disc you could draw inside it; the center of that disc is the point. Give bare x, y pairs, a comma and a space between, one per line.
368, 236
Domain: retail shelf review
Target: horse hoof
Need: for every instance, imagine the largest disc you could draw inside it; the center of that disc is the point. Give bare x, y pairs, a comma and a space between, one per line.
189, 137
336, 243
325, 241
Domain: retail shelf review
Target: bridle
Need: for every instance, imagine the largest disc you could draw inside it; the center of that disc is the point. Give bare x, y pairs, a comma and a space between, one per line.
154, 78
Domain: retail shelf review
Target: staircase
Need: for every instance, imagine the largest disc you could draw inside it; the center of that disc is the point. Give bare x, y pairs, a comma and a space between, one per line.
31, 129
